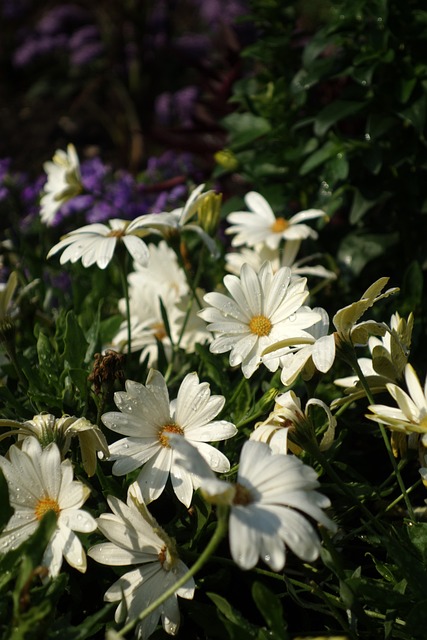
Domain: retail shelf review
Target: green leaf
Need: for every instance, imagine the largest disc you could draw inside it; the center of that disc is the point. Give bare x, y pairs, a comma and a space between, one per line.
6, 511
270, 608
412, 288
245, 128
329, 150
357, 249
335, 112
75, 342
362, 205
418, 536
46, 353
416, 114
240, 628
213, 367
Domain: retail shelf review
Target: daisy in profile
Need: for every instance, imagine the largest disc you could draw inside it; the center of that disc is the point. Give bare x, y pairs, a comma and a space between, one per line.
285, 257
288, 423
96, 243
174, 222
262, 309
260, 225
39, 482
47, 428
147, 417
136, 540
267, 503
63, 182
410, 416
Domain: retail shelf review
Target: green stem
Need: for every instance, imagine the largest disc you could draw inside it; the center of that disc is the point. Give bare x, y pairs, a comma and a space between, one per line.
219, 533
123, 263
399, 498
386, 440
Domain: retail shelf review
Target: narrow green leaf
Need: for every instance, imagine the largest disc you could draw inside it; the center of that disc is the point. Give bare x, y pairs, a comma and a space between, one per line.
271, 610
6, 511
335, 112
75, 342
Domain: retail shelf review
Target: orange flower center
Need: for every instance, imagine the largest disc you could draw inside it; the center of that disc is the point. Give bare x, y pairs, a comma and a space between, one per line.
162, 555
44, 505
242, 495
260, 325
169, 428
279, 225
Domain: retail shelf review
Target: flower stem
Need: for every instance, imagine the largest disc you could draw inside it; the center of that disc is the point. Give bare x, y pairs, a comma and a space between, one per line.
123, 264
219, 533
386, 440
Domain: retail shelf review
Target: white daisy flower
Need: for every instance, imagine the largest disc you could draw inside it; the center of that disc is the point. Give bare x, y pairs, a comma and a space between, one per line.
39, 482
285, 257
260, 225
318, 354
162, 277
63, 182
262, 309
95, 243
136, 539
147, 417
174, 222
266, 504
411, 416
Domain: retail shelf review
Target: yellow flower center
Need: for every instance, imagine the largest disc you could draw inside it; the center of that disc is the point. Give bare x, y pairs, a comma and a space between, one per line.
279, 225
169, 428
116, 233
260, 325
44, 505
159, 330
242, 495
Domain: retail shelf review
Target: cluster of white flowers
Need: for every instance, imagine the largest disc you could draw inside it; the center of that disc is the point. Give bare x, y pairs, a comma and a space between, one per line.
161, 284
262, 320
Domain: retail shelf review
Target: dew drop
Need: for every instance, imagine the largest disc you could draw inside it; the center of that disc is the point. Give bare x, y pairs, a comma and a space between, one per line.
293, 317
367, 137
267, 557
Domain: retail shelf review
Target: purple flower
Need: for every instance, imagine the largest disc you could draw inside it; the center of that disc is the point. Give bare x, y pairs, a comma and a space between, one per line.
178, 106
65, 29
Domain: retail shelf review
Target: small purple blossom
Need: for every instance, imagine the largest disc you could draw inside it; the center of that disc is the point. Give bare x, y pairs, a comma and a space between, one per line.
177, 108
